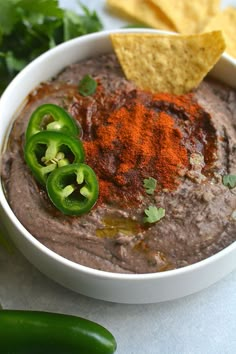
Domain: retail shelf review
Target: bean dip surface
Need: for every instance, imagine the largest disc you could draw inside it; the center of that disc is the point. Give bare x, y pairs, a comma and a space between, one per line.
128, 136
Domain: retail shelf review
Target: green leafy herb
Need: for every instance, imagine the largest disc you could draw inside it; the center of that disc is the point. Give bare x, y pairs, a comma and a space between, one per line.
150, 185
4, 242
229, 181
29, 28
153, 214
87, 86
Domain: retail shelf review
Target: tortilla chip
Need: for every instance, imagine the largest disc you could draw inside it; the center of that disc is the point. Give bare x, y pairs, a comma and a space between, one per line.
226, 21
167, 63
141, 12
188, 16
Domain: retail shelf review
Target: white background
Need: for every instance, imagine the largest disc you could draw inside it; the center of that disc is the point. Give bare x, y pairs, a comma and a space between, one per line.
203, 323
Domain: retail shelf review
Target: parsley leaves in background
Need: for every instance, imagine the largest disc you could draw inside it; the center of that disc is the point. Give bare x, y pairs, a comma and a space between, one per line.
153, 214
29, 28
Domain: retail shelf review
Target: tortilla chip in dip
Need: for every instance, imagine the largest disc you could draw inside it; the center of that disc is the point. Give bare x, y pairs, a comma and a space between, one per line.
226, 21
142, 12
188, 16
167, 63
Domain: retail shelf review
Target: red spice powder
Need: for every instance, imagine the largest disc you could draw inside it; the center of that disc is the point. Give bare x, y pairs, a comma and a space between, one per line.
129, 136
135, 142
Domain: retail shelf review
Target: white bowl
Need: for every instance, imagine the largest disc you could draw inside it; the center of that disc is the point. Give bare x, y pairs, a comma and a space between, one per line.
122, 288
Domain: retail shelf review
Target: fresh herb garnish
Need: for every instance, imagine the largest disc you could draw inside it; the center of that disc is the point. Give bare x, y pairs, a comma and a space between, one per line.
153, 214
29, 28
229, 181
4, 242
87, 86
150, 185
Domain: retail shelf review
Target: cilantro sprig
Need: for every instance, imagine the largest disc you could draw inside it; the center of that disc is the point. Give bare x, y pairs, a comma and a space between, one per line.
87, 86
150, 185
229, 181
29, 28
4, 242
153, 214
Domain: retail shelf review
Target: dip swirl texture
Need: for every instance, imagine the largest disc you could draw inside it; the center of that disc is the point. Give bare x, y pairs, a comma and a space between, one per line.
187, 143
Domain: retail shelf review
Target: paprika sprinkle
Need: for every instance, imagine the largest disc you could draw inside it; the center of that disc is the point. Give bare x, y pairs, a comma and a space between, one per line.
142, 135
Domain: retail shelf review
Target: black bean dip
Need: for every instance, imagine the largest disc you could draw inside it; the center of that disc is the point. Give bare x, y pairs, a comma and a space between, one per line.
200, 214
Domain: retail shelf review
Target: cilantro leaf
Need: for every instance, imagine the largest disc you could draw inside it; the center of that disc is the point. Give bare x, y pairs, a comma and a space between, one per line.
8, 15
29, 28
229, 181
4, 242
150, 185
72, 25
13, 63
87, 86
75, 25
90, 20
153, 214
41, 7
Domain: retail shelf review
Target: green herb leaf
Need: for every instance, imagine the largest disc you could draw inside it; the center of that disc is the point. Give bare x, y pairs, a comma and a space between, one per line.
153, 214
29, 28
75, 25
48, 8
90, 21
87, 86
13, 63
229, 181
4, 242
150, 185
8, 15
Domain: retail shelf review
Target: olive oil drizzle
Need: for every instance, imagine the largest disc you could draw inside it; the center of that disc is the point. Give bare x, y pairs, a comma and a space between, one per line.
114, 225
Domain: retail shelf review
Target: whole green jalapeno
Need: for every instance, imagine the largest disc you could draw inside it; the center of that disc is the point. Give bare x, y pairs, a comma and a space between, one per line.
38, 332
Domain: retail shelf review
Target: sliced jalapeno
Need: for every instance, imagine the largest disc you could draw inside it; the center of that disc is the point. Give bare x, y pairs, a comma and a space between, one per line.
45, 151
53, 118
73, 189
37, 332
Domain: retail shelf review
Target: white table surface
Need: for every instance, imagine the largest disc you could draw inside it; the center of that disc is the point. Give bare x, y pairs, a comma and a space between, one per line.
203, 323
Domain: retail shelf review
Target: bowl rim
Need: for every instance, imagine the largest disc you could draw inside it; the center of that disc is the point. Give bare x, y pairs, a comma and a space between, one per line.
57, 257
